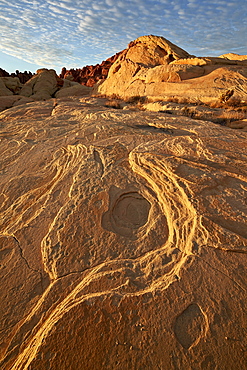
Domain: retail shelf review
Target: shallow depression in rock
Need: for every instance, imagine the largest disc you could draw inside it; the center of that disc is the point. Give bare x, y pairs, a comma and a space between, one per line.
131, 210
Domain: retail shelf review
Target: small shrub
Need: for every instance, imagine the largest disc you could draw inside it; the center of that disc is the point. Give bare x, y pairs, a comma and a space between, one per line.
113, 104
136, 99
226, 95
233, 102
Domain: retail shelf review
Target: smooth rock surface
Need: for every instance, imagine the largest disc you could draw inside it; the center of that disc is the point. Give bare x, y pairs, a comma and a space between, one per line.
76, 90
123, 239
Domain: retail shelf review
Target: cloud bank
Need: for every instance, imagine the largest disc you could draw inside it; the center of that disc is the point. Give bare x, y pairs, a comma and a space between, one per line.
73, 33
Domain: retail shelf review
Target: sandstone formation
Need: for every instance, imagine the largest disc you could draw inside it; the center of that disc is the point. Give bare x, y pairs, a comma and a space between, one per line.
152, 66
41, 86
233, 56
4, 91
12, 83
123, 239
75, 90
23, 76
44, 85
89, 75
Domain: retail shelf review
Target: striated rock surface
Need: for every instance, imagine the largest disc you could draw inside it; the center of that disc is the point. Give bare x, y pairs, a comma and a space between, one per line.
152, 66
123, 239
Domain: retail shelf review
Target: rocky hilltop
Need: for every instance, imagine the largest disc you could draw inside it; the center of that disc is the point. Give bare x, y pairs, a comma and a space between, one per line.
152, 66
123, 239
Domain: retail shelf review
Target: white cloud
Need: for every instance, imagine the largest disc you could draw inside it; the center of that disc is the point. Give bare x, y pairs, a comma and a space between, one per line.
78, 31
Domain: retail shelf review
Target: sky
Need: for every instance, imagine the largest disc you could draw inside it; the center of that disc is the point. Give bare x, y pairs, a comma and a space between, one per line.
75, 33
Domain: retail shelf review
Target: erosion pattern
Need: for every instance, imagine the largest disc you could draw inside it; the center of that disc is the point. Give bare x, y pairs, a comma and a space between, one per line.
123, 239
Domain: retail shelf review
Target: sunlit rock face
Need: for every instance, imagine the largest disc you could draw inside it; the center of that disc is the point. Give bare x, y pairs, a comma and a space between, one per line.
152, 66
123, 239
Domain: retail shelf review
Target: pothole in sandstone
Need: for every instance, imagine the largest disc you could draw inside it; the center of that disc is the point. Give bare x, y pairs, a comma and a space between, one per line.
128, 212
190, 326
131, 210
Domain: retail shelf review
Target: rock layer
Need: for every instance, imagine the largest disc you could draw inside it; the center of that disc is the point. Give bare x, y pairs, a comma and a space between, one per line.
123, 239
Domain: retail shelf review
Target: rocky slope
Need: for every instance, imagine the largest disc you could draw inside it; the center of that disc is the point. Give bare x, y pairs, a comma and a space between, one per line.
123, 239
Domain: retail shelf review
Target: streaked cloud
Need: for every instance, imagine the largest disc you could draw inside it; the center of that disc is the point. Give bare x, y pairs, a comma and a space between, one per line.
73, 33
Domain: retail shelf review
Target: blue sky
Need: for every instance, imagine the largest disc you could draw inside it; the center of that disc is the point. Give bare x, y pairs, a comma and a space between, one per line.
74, 33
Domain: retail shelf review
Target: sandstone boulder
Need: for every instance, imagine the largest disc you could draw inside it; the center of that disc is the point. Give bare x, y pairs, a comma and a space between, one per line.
76, 90
12, 83
42, 86
4, 91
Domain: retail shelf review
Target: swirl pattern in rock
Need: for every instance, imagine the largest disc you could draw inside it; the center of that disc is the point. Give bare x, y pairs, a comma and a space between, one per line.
122, 239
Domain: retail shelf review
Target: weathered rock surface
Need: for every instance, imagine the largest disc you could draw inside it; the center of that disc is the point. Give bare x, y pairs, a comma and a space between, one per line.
4, 91
233, 56
123, 239
12, 83
152, 66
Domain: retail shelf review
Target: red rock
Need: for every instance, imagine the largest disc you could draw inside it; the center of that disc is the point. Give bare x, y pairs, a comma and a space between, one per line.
89, 75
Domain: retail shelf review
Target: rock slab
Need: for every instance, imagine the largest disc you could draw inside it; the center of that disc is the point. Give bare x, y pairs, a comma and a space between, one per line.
123, 239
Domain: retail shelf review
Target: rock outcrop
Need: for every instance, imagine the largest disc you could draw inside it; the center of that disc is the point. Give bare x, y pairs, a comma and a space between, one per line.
44, 85
23, 76
75, 90
41, 86
89, 75
152, 66
123, 239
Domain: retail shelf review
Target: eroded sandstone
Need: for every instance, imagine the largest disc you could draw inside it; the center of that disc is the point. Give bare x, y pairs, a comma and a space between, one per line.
152, 66
123, 239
